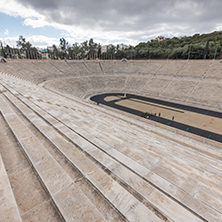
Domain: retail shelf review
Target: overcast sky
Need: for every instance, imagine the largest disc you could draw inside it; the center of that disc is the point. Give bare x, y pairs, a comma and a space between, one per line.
44, 22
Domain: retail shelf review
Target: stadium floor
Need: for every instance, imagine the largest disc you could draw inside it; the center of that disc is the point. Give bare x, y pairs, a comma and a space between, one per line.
202, 122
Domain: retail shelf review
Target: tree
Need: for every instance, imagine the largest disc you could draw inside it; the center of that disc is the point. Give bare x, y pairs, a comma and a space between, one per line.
206, 49
99, 51
74, 51
8, 51
3, 51
22, 44
111, 51
63, 44
27, 49
176, 53
84, 48
214, 50
55, 52
196, 52
92, 49
120, 54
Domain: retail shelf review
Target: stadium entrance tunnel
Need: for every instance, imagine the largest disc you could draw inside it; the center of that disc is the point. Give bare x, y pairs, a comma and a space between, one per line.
182, 117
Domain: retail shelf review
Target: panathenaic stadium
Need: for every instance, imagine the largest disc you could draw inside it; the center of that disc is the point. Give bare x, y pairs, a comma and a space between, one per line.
64, 157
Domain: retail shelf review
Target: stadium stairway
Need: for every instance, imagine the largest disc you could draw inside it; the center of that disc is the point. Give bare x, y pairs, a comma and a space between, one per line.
71, 203
8, 207
137, 189
59, 185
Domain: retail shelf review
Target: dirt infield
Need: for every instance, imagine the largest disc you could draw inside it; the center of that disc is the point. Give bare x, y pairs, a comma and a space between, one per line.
175, 115
198, 120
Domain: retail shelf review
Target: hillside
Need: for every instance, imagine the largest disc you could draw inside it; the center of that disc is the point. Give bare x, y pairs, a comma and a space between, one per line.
205, 46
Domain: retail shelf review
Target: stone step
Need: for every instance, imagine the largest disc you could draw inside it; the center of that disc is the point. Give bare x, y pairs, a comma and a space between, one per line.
124, 135
131, 138
59, 185
162, 183
8, 207
212, 152
118, 196
154, 154
105, 158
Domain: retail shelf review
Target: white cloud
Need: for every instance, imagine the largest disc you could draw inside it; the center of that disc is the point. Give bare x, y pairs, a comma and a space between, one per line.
14, 8
9, 41
118, 21
218, 27
42, 41
6, 32
36, 22
36, 40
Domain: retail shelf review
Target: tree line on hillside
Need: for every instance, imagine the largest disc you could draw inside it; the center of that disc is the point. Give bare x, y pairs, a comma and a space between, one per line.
205, 46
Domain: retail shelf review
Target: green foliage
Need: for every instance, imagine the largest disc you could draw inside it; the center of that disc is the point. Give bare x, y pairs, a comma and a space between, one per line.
22, 44
25, 50
193, 47
99, 51
2, 50
205, 46
92, 49
120, 54
63, 44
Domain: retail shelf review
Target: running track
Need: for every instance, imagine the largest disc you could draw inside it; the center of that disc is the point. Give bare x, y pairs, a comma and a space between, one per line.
100, 99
